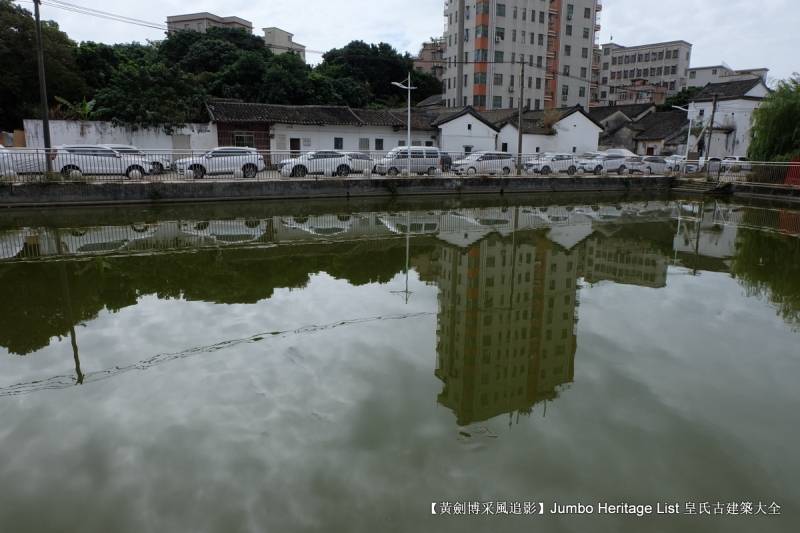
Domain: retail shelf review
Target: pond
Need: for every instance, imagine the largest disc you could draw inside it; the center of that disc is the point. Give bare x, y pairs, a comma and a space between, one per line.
442, 367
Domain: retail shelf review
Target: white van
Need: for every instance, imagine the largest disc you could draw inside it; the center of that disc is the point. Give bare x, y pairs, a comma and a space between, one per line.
424, 160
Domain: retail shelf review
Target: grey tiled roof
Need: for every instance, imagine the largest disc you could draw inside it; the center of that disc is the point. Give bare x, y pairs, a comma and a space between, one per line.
631, 111
661, 125
726, 90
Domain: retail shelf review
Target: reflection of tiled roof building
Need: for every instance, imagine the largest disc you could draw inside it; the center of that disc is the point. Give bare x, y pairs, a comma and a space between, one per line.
624, 261
506, 335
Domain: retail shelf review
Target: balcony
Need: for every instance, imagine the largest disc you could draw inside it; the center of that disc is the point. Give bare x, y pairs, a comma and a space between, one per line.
599, 6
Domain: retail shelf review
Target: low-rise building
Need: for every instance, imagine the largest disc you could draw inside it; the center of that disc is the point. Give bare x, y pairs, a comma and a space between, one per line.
616, 122
203, 21
729, 135
280, 41
702, 76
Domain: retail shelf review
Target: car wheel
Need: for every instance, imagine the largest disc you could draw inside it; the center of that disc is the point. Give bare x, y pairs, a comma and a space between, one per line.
621, 170
249, 171
506, 171
132, 171
299, 171
199, 171
139, 228
649, 171
156, 168
393, 172
432, 171
545, 170
571, 170
67, 170
343, 171
472, 171
598, 170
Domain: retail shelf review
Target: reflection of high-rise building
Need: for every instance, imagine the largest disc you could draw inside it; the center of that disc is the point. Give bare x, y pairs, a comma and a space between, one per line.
624, 261
506, 328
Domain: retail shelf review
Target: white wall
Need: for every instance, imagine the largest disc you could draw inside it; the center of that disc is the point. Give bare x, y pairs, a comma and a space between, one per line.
575, 133
735, 113
322, 137
201, 136
466, 131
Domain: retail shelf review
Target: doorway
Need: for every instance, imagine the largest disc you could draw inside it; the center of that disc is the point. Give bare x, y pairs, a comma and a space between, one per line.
294, 147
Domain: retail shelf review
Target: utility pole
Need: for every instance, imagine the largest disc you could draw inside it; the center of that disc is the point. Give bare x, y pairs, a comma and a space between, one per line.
711, 128
460, 56
43, 87
519, 114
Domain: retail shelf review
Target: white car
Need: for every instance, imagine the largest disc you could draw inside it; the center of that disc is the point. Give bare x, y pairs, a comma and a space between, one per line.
551, 164
89, 159
324, 162
736, 164
605, 163
158, 162
360, 161
223, 160
7, 167
484, 163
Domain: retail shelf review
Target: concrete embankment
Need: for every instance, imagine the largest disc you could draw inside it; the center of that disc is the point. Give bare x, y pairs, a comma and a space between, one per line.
99, 193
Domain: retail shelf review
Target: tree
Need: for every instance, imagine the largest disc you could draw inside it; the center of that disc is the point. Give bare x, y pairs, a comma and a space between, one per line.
776, 124
681, 99
82, 110
19, 82
151, 95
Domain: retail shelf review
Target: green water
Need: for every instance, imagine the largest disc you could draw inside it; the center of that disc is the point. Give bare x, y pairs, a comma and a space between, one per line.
250, 368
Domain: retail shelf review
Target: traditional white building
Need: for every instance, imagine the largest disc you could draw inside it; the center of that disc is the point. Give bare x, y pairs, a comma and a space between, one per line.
733, 119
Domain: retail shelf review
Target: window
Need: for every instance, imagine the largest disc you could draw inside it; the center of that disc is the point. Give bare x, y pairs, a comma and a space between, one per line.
581, 92
587, 12
567, 50
497, 102
338, 143
523, 13
570, 11
466, 80
607, 51
585, 53
498, 56
510, 102
541, 17
658, 71
641, 57
713, 71
613, 60
466, 35
482, 31
498, 79
515, 12
530, 82
569, 29
244, 139
532, 38
540, 39
585, 33
536, 105
538, 83
673, 69
513, 57
583, 72
538, 61
379, 144
513, 36
564, 90
511, 83
479, 100
499, 34
480, 78
669, 54
363, 143
702, 112
566, 70
692, 74
501, 10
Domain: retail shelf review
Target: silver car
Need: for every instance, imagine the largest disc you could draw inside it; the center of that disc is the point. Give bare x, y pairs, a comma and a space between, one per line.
423, 160
484, 163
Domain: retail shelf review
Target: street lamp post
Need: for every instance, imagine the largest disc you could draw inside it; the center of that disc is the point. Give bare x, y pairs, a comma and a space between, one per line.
42, 87
408, 88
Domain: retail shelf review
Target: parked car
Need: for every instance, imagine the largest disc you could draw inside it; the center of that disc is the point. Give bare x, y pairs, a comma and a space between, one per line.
551, 163
360, 162
158, 162
484, 163
91, 159
606, 163
424, 160
654, 164
222, 160
620, 151
678, 163
7, 167
591, 162
736, 164
324, 162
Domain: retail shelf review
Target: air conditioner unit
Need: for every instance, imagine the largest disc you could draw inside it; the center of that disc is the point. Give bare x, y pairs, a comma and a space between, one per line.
497, 38
511, 88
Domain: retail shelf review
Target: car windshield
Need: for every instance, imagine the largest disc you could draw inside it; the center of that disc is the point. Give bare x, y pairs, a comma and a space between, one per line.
126, 150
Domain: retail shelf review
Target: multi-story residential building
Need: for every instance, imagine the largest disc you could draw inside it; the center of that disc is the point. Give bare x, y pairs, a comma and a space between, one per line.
702, 76
489, 41
203, 21
280, 42
660, 65
431, 58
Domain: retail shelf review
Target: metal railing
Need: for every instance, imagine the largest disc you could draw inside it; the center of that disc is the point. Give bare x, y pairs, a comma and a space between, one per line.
91, 164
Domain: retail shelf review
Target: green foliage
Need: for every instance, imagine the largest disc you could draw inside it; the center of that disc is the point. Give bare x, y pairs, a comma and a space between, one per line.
681, 99
167, 82
776, 128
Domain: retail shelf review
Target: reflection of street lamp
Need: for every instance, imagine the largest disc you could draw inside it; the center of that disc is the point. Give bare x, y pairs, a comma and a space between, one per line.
408, 88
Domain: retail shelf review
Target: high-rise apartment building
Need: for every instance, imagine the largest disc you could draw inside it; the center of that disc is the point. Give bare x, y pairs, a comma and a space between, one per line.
487, 42
623, 72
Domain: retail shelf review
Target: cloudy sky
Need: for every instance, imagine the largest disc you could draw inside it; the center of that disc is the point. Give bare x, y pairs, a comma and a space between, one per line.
742, 33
